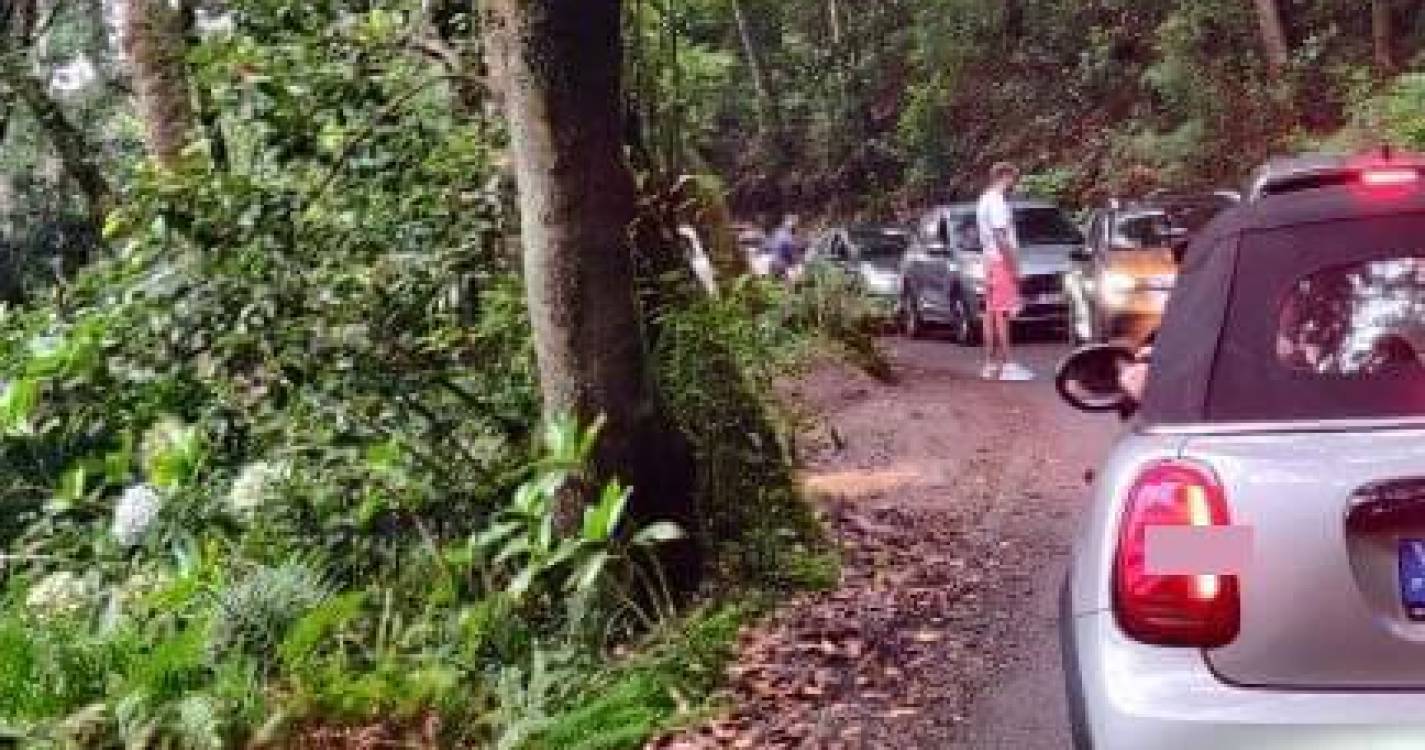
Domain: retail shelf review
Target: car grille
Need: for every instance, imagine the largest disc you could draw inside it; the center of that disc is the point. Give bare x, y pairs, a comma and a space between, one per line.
1041, 284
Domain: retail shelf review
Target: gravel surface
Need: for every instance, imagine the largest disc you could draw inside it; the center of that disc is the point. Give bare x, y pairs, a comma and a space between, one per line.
953, 501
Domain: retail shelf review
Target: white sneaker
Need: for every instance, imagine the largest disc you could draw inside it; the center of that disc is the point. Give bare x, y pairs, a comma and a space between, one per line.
1013, 372
991, 371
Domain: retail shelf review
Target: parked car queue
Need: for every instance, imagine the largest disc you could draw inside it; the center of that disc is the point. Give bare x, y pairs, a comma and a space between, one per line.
1105, 280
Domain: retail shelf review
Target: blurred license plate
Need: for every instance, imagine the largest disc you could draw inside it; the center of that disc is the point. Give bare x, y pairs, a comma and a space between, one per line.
1412, 577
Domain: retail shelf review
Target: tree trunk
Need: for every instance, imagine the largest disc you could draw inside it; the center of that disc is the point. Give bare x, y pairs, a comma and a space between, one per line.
1013, 20
153, 42
75, 153
560, 65
1269, 19
765, 107
1383, 36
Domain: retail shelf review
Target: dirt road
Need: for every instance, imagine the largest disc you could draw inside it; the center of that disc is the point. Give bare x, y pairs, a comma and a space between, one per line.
954, 501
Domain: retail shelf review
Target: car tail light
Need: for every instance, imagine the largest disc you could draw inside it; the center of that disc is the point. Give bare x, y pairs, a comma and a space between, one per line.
1385, 177
1173, 610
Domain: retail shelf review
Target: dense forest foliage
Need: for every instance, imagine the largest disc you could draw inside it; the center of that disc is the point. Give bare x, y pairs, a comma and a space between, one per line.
276, 459
880, 107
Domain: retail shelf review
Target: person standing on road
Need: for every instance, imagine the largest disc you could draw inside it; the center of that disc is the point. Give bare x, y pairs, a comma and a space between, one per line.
786, 248
1000, 246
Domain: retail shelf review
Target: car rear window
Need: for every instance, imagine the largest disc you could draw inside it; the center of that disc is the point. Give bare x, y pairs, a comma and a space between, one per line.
1324, 321
1355, 320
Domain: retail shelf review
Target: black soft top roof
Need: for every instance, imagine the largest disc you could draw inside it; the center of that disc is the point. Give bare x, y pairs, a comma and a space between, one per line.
1195, 333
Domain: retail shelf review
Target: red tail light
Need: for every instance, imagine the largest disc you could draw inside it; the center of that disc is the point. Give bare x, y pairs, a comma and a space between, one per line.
1173, 610
1385, 177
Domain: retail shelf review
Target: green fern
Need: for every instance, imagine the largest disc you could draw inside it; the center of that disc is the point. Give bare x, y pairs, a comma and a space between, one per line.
319, 625
253, 615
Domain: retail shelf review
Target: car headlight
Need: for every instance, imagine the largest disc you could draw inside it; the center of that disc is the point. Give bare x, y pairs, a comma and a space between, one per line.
1117, 286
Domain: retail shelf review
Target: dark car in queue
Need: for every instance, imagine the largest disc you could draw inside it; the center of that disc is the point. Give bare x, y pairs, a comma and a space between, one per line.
1124, 274
943, 279
870, 255
1250, 572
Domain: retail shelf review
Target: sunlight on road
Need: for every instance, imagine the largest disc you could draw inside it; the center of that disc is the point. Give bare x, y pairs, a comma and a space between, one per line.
863, 483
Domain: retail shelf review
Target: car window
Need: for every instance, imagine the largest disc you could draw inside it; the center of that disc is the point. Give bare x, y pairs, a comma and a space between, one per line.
1045, 226
881, 243
966, 233
1355, 320
1143, 231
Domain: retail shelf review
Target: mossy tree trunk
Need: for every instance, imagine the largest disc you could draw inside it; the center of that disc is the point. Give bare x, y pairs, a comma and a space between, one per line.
1383, 36
559, 64
153, 41
1273, 31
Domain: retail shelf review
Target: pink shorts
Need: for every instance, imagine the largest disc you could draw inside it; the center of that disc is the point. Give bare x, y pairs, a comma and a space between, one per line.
1001, 288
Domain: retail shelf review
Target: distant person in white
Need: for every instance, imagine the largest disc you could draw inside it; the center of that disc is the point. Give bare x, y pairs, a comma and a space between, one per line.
1000, 246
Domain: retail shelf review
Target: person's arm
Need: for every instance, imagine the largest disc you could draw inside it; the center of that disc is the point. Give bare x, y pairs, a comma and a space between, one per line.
1000, 218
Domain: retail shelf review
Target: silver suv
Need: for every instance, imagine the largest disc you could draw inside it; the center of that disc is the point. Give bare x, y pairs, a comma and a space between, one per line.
943, 276
1251, 572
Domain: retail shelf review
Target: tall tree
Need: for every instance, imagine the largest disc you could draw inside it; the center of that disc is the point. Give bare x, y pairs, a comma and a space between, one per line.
19, 25
560, 65
1274, 42
1383, 35
153, 42
766, 107
75, 153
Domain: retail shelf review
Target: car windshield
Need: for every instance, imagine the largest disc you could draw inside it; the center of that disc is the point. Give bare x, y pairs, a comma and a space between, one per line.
881, 244
1045, 226
1144, 232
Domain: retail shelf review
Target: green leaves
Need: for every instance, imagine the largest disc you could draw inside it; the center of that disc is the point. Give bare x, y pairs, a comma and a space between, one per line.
603, 517
522, 540
172, 453
18, 403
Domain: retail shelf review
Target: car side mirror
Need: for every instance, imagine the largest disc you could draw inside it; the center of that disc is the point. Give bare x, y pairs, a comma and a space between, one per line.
1088, 379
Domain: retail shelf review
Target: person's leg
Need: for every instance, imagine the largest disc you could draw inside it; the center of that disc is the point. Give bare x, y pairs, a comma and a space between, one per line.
989, 333
1005, 346
994, 312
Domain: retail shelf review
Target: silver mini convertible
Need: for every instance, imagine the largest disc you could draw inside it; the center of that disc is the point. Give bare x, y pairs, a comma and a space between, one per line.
1251, 571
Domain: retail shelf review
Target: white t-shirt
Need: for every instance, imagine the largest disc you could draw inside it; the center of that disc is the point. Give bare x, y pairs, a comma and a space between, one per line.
993, 214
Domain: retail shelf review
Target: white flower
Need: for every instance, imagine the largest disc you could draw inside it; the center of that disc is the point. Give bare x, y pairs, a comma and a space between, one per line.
254, 486
137, 509
61, 593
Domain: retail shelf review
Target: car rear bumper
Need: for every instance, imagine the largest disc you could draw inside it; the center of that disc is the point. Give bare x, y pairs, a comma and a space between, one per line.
1131, 696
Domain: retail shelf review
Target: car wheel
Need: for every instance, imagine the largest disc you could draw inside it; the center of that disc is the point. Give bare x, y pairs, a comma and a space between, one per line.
912, 324
967, 324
